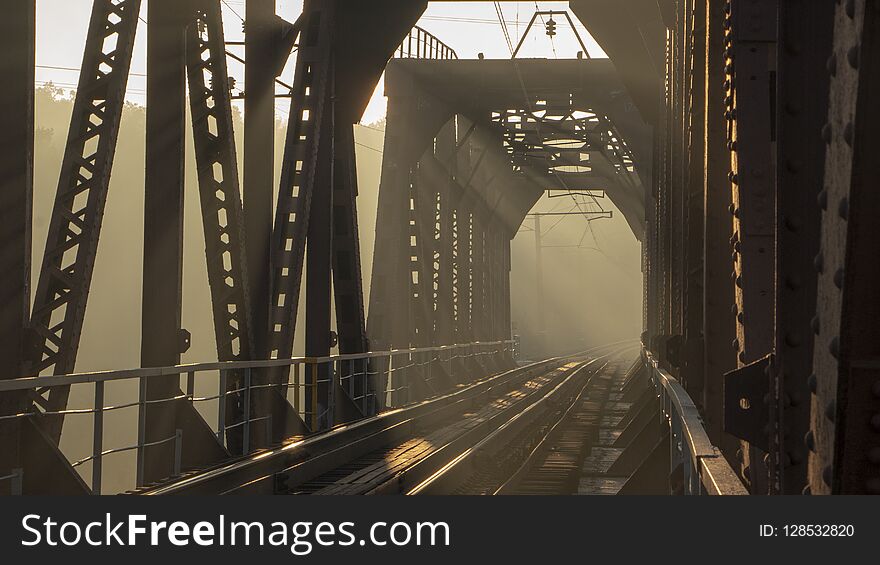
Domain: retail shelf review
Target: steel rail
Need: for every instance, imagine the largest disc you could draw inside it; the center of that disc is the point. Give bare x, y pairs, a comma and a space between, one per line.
272, 470
479, 456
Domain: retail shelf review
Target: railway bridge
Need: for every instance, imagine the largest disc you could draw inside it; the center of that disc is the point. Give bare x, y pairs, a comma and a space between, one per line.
734, 137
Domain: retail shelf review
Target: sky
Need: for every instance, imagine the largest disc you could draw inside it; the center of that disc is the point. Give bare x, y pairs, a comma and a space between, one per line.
468, 27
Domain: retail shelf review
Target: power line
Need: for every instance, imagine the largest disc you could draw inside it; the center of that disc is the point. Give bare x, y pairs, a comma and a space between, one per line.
379, 151
231, 9
60, 68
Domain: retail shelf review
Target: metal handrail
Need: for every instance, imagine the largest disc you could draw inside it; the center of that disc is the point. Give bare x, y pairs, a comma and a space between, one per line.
422, 44
395, 390
706, 471
29, 383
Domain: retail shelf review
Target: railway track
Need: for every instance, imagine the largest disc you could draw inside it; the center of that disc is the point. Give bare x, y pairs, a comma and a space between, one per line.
397, 450
590, 440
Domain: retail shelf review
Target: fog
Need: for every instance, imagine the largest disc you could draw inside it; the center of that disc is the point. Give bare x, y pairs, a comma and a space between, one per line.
591, 276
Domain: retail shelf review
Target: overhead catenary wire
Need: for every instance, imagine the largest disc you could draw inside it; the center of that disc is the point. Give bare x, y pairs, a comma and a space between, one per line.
528, 101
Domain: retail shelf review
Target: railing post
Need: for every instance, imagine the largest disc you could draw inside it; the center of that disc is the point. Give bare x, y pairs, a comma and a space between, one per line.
365, 387
98, 438
246, 432
332, 374
178, 452
142, 415
389, 386
297, 404
221, 410
313, 375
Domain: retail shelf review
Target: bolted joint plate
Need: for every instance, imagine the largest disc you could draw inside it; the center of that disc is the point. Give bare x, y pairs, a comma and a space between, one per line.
746, 403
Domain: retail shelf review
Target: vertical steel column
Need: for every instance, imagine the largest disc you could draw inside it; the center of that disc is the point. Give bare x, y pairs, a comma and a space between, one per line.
676, 218
446, 155
718, 299
804, 45
17, 36
694, 267
162, 340
845, 427
259, 162
388, 318
163, 226
348, 287
478, 270
751, 68
319, 260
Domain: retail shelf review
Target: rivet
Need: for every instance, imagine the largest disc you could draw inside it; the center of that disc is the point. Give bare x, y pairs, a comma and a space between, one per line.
812, 382
822, 199
739, 281
838, 278
826, 133
826, 475
742, 356
843, 208
850, 8
831, 410
831, 65
852, 55
810, 441
740, 318
834, 347
848, 133
807, 491
819, 262
735, 344
814, 324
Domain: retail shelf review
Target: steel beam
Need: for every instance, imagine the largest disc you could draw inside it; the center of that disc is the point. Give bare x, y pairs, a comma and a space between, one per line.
162, 339
693, 355
750, 71
17, 41
845, 427
719, 322
75, 225
259, 161
805, 30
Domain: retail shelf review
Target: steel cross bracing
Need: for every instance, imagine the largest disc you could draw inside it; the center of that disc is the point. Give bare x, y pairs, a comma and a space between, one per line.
312, 83
74, 228
220, 197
